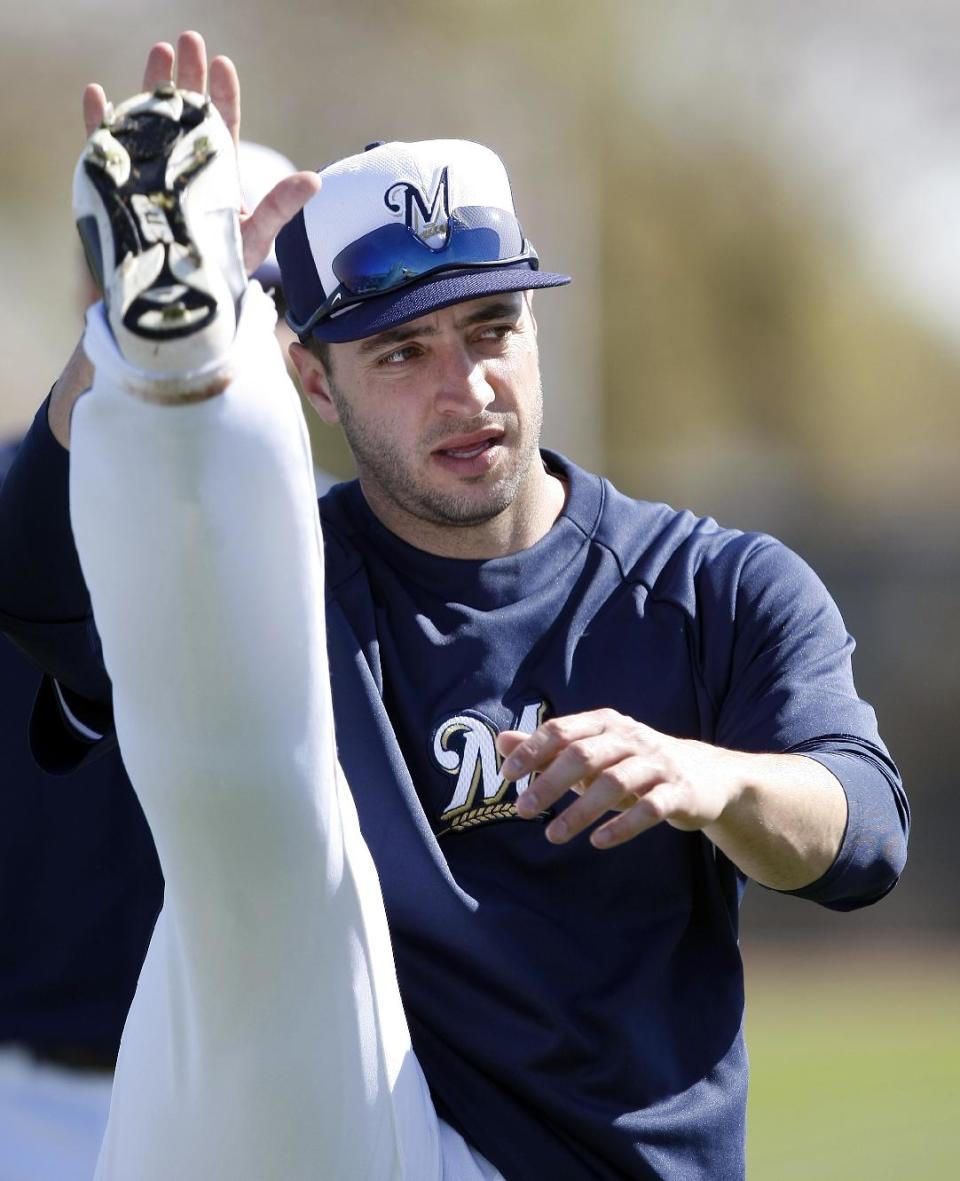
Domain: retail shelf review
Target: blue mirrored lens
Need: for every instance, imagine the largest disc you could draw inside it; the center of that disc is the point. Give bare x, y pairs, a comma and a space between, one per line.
393, 255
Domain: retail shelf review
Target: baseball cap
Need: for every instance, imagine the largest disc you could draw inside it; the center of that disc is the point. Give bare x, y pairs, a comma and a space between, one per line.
400, 230
260, 169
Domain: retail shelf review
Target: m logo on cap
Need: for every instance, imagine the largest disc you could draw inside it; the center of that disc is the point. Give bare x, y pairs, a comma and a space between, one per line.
429, 221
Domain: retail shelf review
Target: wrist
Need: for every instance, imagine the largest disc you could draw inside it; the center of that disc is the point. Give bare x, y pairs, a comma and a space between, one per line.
784, 818
76, 379
738, 779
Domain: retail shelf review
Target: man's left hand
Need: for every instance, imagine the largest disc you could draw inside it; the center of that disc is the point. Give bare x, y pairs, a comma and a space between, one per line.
617, 764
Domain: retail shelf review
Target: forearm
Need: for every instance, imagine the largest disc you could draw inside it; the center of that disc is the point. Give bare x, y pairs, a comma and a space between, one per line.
77, 377
785, 821
780, 818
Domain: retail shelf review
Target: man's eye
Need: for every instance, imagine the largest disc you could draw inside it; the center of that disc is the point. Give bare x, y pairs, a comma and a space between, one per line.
496, 331
398, 356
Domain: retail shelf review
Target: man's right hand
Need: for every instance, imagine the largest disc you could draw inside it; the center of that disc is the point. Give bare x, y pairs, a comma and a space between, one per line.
187, 66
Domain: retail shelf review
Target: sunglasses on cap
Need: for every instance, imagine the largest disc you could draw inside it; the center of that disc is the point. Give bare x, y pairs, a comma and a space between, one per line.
393, 256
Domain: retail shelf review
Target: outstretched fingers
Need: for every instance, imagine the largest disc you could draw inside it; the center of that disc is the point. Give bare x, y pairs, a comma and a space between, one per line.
282, 203
565, 753
187, 65
664, 801
614, 763
224, 83
538, 749
159, 66
191, 62
94, 107
190, 58
615, 789
509, 740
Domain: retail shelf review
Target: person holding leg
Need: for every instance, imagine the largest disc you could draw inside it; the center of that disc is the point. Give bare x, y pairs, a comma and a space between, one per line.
573, 724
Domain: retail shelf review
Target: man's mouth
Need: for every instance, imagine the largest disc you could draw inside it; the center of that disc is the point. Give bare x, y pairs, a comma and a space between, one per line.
470, 446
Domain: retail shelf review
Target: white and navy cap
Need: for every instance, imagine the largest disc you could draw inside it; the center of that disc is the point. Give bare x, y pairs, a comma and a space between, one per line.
401, 230
260, 169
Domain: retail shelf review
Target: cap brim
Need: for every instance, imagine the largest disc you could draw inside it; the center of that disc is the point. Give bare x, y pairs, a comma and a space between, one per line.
429, 295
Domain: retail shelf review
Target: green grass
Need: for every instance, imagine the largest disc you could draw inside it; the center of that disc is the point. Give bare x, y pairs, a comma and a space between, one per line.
855, 1065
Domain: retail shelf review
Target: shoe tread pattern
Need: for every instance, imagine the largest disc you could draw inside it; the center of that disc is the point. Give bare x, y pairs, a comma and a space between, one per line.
145, 210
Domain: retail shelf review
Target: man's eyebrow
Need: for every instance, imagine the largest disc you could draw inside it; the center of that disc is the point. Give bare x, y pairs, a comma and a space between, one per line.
503, 309
394, 336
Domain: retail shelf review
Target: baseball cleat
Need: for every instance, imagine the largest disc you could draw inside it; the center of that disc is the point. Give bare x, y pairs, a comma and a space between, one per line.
155, 195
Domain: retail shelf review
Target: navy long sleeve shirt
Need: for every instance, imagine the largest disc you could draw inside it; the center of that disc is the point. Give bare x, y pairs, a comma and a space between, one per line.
578, 1013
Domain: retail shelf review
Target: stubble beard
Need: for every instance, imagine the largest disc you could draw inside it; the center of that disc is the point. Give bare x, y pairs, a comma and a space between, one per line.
381, 463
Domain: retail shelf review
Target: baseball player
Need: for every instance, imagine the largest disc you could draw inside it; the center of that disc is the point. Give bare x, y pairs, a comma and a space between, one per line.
573, 725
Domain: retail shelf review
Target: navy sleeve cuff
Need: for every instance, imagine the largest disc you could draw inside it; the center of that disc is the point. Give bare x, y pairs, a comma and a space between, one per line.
67, 649
874, 847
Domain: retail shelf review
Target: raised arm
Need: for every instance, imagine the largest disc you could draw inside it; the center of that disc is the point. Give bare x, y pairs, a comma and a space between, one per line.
187, 65
44, 604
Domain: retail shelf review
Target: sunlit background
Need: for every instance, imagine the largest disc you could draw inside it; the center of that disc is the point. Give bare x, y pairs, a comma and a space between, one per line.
760, 204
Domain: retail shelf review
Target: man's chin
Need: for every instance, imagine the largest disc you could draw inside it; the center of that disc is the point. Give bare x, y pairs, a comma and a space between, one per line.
473, 501
463, 512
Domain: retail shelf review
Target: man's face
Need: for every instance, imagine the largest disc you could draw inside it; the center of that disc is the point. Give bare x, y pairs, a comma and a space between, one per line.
443, 414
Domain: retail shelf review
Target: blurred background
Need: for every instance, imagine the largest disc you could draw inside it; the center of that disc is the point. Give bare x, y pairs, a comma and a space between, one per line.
759, 204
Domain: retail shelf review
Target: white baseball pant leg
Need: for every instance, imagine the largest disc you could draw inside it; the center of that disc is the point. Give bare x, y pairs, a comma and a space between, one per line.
267, 1037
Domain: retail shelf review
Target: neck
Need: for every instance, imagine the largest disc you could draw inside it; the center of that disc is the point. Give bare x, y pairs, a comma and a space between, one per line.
530, 516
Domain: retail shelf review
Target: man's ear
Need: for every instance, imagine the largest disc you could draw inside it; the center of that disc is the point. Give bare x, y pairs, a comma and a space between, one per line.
314, 381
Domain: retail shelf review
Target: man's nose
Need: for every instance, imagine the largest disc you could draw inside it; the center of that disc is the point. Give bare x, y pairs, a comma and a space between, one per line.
462, 386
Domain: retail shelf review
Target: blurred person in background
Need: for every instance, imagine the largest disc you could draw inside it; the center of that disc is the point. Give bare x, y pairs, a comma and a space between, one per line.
80, 888
80, 884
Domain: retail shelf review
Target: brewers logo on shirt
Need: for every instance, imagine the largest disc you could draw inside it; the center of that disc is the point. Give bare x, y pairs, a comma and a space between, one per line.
464, 746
